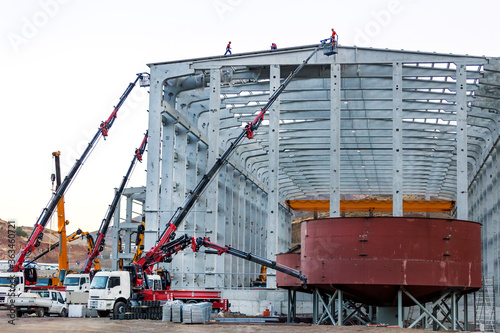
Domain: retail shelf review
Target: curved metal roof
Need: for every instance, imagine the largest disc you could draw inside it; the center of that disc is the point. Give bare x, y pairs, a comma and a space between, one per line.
429, 116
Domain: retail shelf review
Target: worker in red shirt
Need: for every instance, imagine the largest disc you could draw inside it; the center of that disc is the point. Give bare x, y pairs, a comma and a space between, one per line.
273, 46
334, 35
228, 48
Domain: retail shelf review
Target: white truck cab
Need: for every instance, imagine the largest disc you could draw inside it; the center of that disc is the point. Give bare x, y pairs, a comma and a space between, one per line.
109, 291
77, 282
155, 282
11, 284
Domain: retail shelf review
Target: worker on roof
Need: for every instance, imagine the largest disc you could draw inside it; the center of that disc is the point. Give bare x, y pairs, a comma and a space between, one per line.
334, 35
228, 48
273, 46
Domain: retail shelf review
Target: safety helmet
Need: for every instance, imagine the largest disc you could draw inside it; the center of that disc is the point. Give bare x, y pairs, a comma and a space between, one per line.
332, 29
229, 41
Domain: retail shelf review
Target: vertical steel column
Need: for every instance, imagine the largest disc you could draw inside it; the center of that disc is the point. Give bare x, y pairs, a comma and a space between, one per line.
153, 160
397, 138
227, 218
400, 308
116, 236
466, 312
462, 176
178, 196
263, 214
167, 180
200, 214
188, 257
248, 233
242, 210
235, 225
496, 201
315, 306
335, 95
213, 188
490, 219
273, 225
340, 313
255, 231
453, 310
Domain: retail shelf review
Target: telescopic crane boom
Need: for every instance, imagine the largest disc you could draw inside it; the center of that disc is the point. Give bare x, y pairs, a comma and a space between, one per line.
220, 249
75, 235
37, 234
184, 241
99, 243
155, 254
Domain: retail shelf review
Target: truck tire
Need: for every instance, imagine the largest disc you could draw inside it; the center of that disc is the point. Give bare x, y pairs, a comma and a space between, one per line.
40, 312
119, 308
19, 314
63, 313
103, 313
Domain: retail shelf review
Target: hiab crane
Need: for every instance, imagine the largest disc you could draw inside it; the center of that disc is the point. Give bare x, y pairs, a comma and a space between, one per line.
101, 234
72, 281
36, 236
110, 291
61, 221
81, 281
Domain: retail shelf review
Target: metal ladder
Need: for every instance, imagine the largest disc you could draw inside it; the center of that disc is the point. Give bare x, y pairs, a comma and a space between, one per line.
484, 306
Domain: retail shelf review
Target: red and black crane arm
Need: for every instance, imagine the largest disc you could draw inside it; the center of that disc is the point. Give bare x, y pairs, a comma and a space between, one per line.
37, 234
196, 243
154, 255
101, 234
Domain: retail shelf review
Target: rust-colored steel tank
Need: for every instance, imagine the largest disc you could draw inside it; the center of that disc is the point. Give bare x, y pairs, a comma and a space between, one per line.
371, 258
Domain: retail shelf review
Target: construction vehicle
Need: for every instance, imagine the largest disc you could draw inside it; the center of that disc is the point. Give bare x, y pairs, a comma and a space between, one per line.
101, 234
77, 282
112, 290
37, 234
42, 303
61, 220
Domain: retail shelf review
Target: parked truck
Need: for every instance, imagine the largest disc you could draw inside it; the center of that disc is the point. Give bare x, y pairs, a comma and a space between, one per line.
42, 302
77, 282
11, 284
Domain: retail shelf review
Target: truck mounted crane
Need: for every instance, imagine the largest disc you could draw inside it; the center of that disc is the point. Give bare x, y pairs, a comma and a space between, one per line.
101, 234
37, 234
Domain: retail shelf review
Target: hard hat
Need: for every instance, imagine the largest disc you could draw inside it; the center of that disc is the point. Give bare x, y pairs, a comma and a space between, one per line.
332, 29
229, 41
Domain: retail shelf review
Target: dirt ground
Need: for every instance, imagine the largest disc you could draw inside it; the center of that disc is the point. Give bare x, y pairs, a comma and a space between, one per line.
56, 324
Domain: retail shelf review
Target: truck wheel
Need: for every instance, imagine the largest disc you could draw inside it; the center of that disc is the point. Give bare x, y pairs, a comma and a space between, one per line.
40, 312
103, 313
19, 314
63, 313
119, 308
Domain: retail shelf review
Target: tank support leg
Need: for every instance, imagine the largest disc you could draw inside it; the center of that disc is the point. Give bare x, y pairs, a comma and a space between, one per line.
340, 302
292, 306
400, 308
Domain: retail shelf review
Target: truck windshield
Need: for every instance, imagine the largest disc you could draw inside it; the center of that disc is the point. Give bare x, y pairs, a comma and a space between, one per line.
43, 282
99, 282
6, 281
71, 281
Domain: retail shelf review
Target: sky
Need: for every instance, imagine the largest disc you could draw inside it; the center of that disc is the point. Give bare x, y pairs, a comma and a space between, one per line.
65, 64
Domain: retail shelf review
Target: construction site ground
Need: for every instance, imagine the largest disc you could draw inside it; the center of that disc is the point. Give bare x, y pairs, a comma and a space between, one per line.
57, 324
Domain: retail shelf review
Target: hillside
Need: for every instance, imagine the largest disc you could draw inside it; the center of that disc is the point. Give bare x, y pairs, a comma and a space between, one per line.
77, 250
